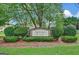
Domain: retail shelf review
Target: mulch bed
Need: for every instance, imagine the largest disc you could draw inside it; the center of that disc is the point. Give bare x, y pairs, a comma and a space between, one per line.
23, 44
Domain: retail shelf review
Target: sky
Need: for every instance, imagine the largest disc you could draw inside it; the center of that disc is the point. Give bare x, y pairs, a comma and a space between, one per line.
71, 9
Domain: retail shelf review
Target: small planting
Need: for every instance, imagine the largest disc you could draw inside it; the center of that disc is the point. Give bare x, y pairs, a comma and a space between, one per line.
10, 38
69, 39
38, 39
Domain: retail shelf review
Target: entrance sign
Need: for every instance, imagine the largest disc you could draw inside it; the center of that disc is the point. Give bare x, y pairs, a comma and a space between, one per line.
39, 32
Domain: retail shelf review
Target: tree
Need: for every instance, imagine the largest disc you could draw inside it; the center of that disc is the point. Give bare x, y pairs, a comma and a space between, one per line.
70, 20
3, 14
33, 14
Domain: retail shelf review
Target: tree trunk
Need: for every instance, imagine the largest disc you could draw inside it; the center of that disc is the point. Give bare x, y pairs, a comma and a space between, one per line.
40, 14
25, 8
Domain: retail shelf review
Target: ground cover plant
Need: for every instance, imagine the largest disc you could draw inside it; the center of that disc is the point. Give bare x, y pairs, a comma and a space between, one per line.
39, 39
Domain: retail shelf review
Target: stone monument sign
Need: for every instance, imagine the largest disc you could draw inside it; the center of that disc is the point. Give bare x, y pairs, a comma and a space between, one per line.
40, 32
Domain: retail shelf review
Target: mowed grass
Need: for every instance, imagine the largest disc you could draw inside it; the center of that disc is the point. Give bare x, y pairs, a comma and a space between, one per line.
77, 36
58, 50
2, 34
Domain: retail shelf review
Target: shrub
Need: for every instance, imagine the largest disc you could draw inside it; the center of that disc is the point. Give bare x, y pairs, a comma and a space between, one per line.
56, 33
70, 30
10, 38
9, 31
38, 39
69, 39
20, 31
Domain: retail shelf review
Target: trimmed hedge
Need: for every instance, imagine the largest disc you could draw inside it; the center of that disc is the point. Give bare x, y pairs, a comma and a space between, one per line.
69, 39
10, 38
56, 33
9, 31
70, 30
38, 39
20, 31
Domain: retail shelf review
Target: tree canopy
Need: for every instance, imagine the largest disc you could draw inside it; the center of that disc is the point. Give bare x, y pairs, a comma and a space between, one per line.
39, 15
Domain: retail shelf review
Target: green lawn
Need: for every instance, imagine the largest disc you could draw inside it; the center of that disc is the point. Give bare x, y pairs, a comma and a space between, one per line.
77, 36
58, 50
2, 34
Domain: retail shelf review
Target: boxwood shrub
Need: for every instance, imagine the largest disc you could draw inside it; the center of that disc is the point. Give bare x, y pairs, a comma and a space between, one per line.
38, 39
10, 38
9, 31
21, 31
69, 39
